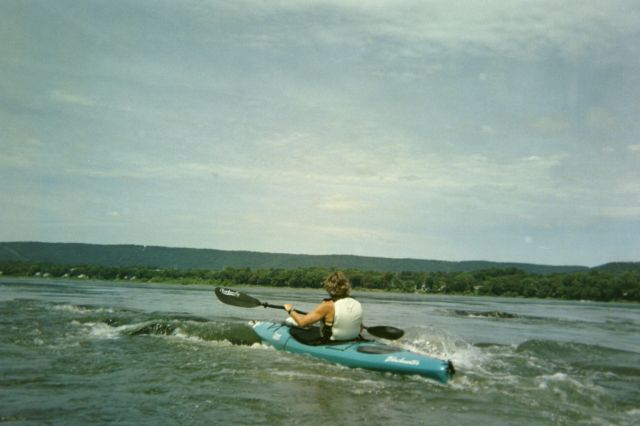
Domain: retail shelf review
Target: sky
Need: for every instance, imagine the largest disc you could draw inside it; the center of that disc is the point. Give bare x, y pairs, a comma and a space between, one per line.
452, 130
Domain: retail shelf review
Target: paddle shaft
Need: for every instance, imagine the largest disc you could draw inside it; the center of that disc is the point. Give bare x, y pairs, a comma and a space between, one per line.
269, 305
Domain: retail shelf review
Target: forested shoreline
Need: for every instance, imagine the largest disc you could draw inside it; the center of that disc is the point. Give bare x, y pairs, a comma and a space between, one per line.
593, 285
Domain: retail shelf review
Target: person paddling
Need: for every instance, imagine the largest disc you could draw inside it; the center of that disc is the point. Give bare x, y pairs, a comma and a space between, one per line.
340, 315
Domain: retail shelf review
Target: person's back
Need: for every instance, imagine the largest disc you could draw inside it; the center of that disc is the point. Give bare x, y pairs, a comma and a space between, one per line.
347, 319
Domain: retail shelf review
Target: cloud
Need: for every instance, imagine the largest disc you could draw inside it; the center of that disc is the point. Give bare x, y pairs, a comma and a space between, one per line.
24, 153
341, 204
634, 148
16, 161
487, 129
345, 238
550, 126
516, 29
600, 118
135, 168
523, 29
62, 96
621, 212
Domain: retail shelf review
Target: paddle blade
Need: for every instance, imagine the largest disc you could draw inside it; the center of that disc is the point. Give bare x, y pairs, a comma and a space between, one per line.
236, 298
386, 332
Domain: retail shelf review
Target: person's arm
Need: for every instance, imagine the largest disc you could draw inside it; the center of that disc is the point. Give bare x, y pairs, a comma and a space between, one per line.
312, 317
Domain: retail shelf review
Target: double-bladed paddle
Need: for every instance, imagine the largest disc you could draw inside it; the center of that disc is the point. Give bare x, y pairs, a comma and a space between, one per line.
243, 300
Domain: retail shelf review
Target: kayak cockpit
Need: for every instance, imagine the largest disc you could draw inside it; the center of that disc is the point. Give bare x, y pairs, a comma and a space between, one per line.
311, 336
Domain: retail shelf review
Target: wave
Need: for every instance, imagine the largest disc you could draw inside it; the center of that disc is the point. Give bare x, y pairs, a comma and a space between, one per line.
81, 309
534, 363
583, 357
571, 351
485, 314
186, 329
235, 333
105, 322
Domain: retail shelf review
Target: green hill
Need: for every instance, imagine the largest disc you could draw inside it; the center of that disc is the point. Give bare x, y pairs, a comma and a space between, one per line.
619, 267
188, 258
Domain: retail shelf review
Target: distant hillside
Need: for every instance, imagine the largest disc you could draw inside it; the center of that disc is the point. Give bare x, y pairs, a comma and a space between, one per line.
187, 258
619, 267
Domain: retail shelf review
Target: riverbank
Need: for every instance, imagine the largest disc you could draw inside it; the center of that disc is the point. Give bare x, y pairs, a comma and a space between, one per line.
197, 281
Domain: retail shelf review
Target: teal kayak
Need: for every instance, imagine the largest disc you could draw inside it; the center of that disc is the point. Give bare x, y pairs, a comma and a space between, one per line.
367, 354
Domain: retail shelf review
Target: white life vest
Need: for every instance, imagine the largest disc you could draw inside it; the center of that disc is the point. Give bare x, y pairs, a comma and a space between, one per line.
347, 319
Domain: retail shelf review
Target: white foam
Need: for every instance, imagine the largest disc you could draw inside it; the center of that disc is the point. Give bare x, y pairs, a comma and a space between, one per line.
438, 344
80, 310
557, 377
101, 330
560, 379
180, 335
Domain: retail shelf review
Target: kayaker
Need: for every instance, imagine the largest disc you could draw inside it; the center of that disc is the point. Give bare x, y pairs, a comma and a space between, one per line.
340, 315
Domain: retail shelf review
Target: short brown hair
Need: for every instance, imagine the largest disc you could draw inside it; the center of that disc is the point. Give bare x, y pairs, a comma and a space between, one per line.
337, 285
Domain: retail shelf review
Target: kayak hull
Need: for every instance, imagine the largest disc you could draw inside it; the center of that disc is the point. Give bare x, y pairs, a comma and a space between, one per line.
370, 355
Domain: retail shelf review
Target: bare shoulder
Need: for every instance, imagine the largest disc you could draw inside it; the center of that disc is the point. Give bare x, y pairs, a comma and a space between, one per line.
325, 306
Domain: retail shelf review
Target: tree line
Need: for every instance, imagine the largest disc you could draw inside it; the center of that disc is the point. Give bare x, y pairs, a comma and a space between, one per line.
597, 285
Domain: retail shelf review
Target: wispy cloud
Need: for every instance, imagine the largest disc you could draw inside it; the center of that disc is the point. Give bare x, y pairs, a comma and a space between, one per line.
523, 29
601, 118
550, 126
63, 96
342, 204
24, 153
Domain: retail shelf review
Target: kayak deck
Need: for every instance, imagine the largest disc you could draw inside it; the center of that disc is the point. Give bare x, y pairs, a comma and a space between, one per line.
365, 354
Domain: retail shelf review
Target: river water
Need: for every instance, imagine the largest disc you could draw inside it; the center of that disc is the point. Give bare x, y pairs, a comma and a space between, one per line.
82, 352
